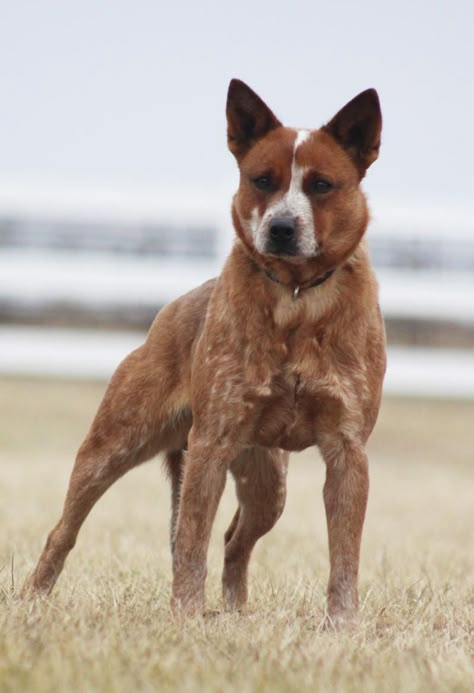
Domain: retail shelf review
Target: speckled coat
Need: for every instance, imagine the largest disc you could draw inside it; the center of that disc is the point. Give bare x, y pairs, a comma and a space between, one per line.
283, 351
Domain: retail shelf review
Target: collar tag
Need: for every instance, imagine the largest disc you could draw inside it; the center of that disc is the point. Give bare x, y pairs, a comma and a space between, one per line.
296, 291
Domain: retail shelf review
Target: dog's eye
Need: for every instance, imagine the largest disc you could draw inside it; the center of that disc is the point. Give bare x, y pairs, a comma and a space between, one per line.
320, 186
263, 183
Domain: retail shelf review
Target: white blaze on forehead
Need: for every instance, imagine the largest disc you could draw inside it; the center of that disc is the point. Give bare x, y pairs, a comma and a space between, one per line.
297, 172
301, 136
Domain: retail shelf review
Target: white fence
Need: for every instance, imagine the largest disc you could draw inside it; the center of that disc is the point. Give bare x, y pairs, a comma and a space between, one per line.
88, 354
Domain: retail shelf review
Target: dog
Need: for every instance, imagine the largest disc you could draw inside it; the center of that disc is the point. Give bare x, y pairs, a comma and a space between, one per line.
283, 351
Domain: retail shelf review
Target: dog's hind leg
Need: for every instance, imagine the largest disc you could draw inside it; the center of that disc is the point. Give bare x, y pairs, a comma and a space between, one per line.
260, 478
95, 470
174, 463
130, 427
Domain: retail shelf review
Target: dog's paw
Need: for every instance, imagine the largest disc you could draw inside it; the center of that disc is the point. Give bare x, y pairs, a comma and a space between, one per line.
339, 621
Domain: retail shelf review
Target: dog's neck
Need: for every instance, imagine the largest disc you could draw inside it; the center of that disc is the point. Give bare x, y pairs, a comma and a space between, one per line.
296, 289
312, 304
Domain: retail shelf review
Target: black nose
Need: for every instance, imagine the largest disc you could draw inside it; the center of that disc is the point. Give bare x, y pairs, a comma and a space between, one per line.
282, 236
282, 230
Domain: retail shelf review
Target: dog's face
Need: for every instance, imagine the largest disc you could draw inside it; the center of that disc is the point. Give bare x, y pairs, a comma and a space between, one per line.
299, 197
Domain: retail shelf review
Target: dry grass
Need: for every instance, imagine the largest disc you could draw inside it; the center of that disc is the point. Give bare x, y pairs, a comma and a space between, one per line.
108, 626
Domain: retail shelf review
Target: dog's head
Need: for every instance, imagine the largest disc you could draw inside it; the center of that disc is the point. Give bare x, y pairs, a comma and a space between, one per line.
299, 201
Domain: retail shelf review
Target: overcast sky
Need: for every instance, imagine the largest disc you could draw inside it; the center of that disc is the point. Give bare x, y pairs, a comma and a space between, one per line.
132, 92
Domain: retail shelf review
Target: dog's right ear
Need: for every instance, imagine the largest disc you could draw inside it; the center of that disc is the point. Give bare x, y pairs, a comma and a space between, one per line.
248, 118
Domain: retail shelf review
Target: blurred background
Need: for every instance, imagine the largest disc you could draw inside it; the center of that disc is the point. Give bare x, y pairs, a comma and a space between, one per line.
115, 179
115, 191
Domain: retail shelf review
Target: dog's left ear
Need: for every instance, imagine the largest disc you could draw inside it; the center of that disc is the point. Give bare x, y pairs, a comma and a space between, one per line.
357, 127
248, 118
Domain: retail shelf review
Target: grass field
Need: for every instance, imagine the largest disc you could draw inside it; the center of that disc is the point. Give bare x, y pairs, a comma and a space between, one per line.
108, 627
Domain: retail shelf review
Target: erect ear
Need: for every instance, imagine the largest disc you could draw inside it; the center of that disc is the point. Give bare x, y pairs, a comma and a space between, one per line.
248, 118
357, 127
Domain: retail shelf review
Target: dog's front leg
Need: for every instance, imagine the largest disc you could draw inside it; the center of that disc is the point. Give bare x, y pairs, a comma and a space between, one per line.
345, 498
203, 483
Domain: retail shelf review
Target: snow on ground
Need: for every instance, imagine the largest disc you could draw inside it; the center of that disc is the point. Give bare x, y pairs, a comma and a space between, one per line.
94, 354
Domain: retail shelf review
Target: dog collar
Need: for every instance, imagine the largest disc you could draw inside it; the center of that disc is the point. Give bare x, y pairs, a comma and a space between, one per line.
296, 291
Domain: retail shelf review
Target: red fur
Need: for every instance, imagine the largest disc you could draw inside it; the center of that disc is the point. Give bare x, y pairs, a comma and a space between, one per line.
238, 372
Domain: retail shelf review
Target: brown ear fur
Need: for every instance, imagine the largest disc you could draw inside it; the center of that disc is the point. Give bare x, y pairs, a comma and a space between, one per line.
357, 127
248, 118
